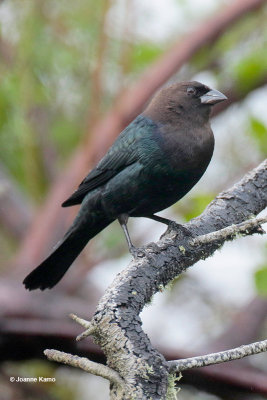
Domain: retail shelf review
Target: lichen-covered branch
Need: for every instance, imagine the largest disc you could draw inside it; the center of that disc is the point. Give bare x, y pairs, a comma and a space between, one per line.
85, 364
86, 324
116, 325
175, 366
218, 358
244, 229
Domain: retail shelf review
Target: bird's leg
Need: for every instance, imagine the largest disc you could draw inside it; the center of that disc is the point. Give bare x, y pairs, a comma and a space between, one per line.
135, 251
171, 224
123, 219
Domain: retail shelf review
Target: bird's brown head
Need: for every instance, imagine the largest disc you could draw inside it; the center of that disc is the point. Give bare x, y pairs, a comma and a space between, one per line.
185, 99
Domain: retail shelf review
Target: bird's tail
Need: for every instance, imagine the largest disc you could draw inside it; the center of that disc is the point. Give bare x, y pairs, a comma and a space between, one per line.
89, 221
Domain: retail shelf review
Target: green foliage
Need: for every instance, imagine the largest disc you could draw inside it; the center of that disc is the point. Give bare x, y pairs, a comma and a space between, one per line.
258, 131
49, 90
261, 281
54, 54
48, 87
238, 59
144, 54
113, 237
251, 70
110, 242
194, 205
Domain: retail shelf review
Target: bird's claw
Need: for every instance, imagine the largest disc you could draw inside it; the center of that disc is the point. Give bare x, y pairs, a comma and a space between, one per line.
181, 229
137, 252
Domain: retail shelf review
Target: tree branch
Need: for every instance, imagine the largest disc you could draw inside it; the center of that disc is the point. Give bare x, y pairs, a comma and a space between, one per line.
175, 366
245, 228
116, 325
15, 210
85, 364
218, 358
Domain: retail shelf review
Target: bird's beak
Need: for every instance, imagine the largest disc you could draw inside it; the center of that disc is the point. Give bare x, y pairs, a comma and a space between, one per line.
212, 97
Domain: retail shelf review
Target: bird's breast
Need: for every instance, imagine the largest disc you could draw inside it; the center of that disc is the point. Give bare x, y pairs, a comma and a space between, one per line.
187, 150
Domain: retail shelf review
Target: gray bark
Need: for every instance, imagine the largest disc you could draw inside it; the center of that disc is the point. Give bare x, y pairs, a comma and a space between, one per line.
116, 325
134, 368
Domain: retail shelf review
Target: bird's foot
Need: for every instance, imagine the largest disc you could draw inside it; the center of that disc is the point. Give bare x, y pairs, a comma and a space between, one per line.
172, 225
137, 252
179, 228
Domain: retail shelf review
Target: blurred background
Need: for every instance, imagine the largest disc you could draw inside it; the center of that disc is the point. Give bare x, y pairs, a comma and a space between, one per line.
72, 76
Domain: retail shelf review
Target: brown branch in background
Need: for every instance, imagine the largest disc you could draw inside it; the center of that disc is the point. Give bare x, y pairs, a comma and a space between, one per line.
16, 211
51, 221
39, 120
16, 226
48, 225
127, 44
96, 77
244, 328
181, 52
6, 52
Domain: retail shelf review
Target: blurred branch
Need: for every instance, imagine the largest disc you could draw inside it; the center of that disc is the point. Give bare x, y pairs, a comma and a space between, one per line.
181, 52
127, 45
6, 51
48, 225
245, 326
97, 78
39, 119
33, 324
15, 210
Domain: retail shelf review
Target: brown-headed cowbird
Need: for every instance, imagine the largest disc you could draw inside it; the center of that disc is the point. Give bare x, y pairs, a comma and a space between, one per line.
153, 163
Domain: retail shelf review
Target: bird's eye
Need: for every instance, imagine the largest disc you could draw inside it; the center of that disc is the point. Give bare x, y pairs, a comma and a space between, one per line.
191, 91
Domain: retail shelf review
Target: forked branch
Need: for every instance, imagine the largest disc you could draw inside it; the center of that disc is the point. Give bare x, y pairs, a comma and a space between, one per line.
116, 325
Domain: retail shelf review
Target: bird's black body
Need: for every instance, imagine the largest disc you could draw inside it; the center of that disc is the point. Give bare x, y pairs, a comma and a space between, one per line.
153, 163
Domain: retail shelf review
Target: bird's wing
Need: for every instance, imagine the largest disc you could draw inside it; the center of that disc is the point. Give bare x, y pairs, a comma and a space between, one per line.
122, 153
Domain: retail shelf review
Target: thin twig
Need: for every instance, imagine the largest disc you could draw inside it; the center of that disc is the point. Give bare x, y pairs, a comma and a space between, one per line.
85, 364
90, 328
244, 228
81, 321
218, 358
